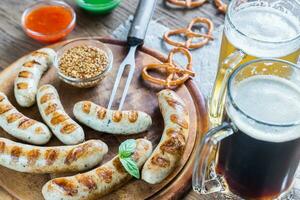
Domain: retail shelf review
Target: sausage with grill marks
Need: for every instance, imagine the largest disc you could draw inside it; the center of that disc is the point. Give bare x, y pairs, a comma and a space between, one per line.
30, 73
20, 126
170, 149
109, 121
96, 183
53, 113
58, 159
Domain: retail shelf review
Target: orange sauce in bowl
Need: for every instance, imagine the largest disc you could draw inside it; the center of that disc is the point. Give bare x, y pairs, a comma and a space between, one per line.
49, 23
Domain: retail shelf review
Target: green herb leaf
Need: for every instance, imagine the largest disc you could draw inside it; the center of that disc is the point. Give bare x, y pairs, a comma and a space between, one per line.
131, 167
127, 148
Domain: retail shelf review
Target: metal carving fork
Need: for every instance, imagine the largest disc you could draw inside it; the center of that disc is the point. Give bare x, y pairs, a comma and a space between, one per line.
135, 38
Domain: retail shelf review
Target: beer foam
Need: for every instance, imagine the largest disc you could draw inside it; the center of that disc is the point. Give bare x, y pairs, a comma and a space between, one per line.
268, 99
264, 24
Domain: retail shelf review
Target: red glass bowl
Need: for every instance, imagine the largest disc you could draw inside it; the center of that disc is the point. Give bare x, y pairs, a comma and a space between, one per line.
53, 37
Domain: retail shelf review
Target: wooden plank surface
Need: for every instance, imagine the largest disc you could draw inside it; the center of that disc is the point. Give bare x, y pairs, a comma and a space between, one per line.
14, 43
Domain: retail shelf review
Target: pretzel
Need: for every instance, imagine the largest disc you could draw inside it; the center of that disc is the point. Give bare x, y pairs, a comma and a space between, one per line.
187, 3
189, 34
221, 6
175, 75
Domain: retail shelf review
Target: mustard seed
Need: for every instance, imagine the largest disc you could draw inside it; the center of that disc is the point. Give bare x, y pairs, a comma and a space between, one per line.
83, 62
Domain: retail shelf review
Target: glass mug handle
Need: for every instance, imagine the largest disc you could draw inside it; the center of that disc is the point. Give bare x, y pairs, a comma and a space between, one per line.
203, 182
230, 63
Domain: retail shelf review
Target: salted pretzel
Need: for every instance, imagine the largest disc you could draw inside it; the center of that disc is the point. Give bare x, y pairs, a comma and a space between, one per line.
221, 5
175, 75
187, 3
190, 35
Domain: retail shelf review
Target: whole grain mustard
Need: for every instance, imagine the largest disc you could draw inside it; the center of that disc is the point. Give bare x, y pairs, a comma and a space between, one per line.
83, 62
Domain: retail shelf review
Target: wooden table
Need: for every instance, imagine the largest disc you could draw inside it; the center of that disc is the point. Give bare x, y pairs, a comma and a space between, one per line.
14, 43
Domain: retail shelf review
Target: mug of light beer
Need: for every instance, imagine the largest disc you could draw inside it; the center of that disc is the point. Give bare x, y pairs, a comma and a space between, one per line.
258, 144
254, 29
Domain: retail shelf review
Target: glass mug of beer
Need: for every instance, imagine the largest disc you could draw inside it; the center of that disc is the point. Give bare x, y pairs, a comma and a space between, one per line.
254, 29
258, 145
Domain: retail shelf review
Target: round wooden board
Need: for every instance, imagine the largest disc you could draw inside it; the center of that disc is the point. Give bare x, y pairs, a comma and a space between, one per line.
142, 97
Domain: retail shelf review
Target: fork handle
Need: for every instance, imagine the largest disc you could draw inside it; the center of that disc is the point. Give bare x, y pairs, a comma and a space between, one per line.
140, 22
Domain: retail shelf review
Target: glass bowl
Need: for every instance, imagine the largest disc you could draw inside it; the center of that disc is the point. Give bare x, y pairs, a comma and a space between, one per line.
87, 82
51, 37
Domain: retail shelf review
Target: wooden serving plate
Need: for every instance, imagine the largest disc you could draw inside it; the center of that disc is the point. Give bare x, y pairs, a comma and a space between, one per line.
142, 97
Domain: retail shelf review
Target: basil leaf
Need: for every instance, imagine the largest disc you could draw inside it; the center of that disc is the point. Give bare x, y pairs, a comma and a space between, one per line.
127, 148
131, 167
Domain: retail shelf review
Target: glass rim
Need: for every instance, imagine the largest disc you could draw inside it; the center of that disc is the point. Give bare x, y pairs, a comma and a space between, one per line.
229, 16
237, 108
100, 5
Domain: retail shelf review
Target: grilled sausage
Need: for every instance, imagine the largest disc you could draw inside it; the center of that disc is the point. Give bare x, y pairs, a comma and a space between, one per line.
35, 159
30, 73
53, 113
98, 182
109, 121
169, 151
20, 126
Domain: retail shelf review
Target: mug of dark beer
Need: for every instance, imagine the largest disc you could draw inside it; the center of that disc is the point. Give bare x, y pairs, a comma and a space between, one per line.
255, 153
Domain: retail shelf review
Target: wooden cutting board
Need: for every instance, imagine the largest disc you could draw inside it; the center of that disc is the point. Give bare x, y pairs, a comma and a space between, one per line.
141, 96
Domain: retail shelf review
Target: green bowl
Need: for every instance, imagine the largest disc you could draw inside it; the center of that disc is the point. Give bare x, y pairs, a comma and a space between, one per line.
98, 6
